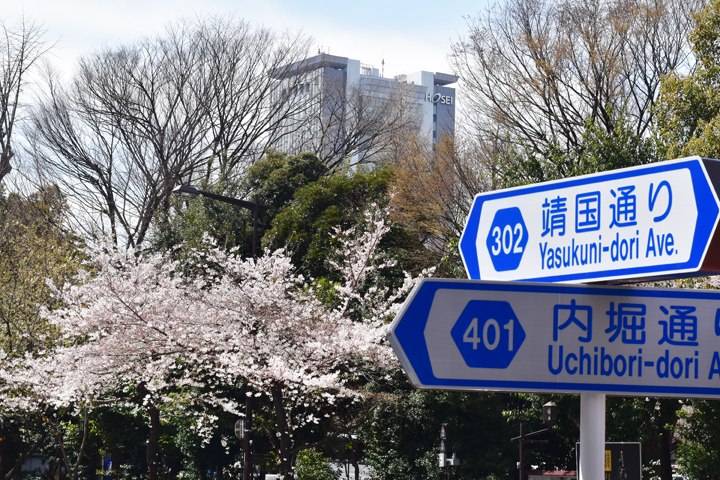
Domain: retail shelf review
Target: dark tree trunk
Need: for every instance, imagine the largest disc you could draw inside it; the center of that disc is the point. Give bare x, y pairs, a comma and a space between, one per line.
5, 157
153, 445
669, 415
285, 451
4, 442
665, 453
356, 466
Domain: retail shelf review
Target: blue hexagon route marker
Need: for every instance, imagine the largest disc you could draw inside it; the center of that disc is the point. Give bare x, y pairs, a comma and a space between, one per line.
488, 334
640, 223
507, 239
559, 338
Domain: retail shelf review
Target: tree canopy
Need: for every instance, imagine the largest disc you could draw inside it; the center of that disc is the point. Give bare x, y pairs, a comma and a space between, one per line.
689, 109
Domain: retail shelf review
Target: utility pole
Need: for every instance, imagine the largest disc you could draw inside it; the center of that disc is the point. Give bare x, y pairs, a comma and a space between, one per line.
549, 416
188, 191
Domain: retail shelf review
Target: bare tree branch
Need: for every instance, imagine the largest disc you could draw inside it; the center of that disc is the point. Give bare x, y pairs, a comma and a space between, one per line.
21, 45
198, 102
541, 69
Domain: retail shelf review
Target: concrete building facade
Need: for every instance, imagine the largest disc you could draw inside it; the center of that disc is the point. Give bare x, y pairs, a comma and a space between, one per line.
438, 102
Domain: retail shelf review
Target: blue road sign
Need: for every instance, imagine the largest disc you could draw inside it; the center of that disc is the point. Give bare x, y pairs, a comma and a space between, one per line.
654, 221
560, 338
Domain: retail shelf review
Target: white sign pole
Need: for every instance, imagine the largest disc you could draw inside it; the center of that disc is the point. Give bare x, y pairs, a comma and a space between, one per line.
592, 436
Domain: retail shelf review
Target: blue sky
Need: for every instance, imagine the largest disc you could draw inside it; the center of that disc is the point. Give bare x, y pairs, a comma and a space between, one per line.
409, 35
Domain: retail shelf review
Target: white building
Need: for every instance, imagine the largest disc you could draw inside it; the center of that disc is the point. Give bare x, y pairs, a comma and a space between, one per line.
346, 103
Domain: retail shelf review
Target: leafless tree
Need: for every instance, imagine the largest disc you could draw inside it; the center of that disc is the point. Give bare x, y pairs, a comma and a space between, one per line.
21, 46
536, 71
198, 102
120, 137
252, 77
343, 119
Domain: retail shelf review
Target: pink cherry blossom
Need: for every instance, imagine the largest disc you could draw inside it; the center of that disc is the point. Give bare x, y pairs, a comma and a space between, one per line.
134, 319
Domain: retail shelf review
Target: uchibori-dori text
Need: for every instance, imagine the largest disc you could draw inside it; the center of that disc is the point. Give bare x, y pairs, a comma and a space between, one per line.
676, 329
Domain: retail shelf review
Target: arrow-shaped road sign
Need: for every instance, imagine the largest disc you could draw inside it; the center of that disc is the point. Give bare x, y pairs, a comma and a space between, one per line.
654, 221
475, 335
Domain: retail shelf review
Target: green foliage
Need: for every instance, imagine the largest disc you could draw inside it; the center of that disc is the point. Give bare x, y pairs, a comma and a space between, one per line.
650, 421
306, 225
599, 150
688, 110
402, 439
277, 177
34, 248
312, 465
451, 264
699, 452
121, 432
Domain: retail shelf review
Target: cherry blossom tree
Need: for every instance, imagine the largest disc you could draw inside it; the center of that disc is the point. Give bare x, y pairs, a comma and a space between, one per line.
135, 329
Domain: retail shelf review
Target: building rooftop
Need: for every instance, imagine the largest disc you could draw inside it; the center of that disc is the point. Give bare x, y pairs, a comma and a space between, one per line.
445, 78
325, 60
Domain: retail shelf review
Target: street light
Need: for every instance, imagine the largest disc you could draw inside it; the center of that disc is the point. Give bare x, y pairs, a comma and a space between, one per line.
444, 447
550, 414
187, 191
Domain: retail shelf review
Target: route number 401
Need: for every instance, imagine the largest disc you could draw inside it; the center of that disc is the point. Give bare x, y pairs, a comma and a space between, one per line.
508, 240
473, 335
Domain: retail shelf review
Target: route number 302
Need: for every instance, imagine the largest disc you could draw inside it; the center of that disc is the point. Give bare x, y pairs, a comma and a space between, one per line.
508, 240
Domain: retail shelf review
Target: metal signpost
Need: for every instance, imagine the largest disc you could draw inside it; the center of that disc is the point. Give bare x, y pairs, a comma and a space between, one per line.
256, 207
653, 221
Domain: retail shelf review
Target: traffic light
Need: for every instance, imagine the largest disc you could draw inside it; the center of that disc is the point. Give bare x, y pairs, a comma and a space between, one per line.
443, 438
444, 447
